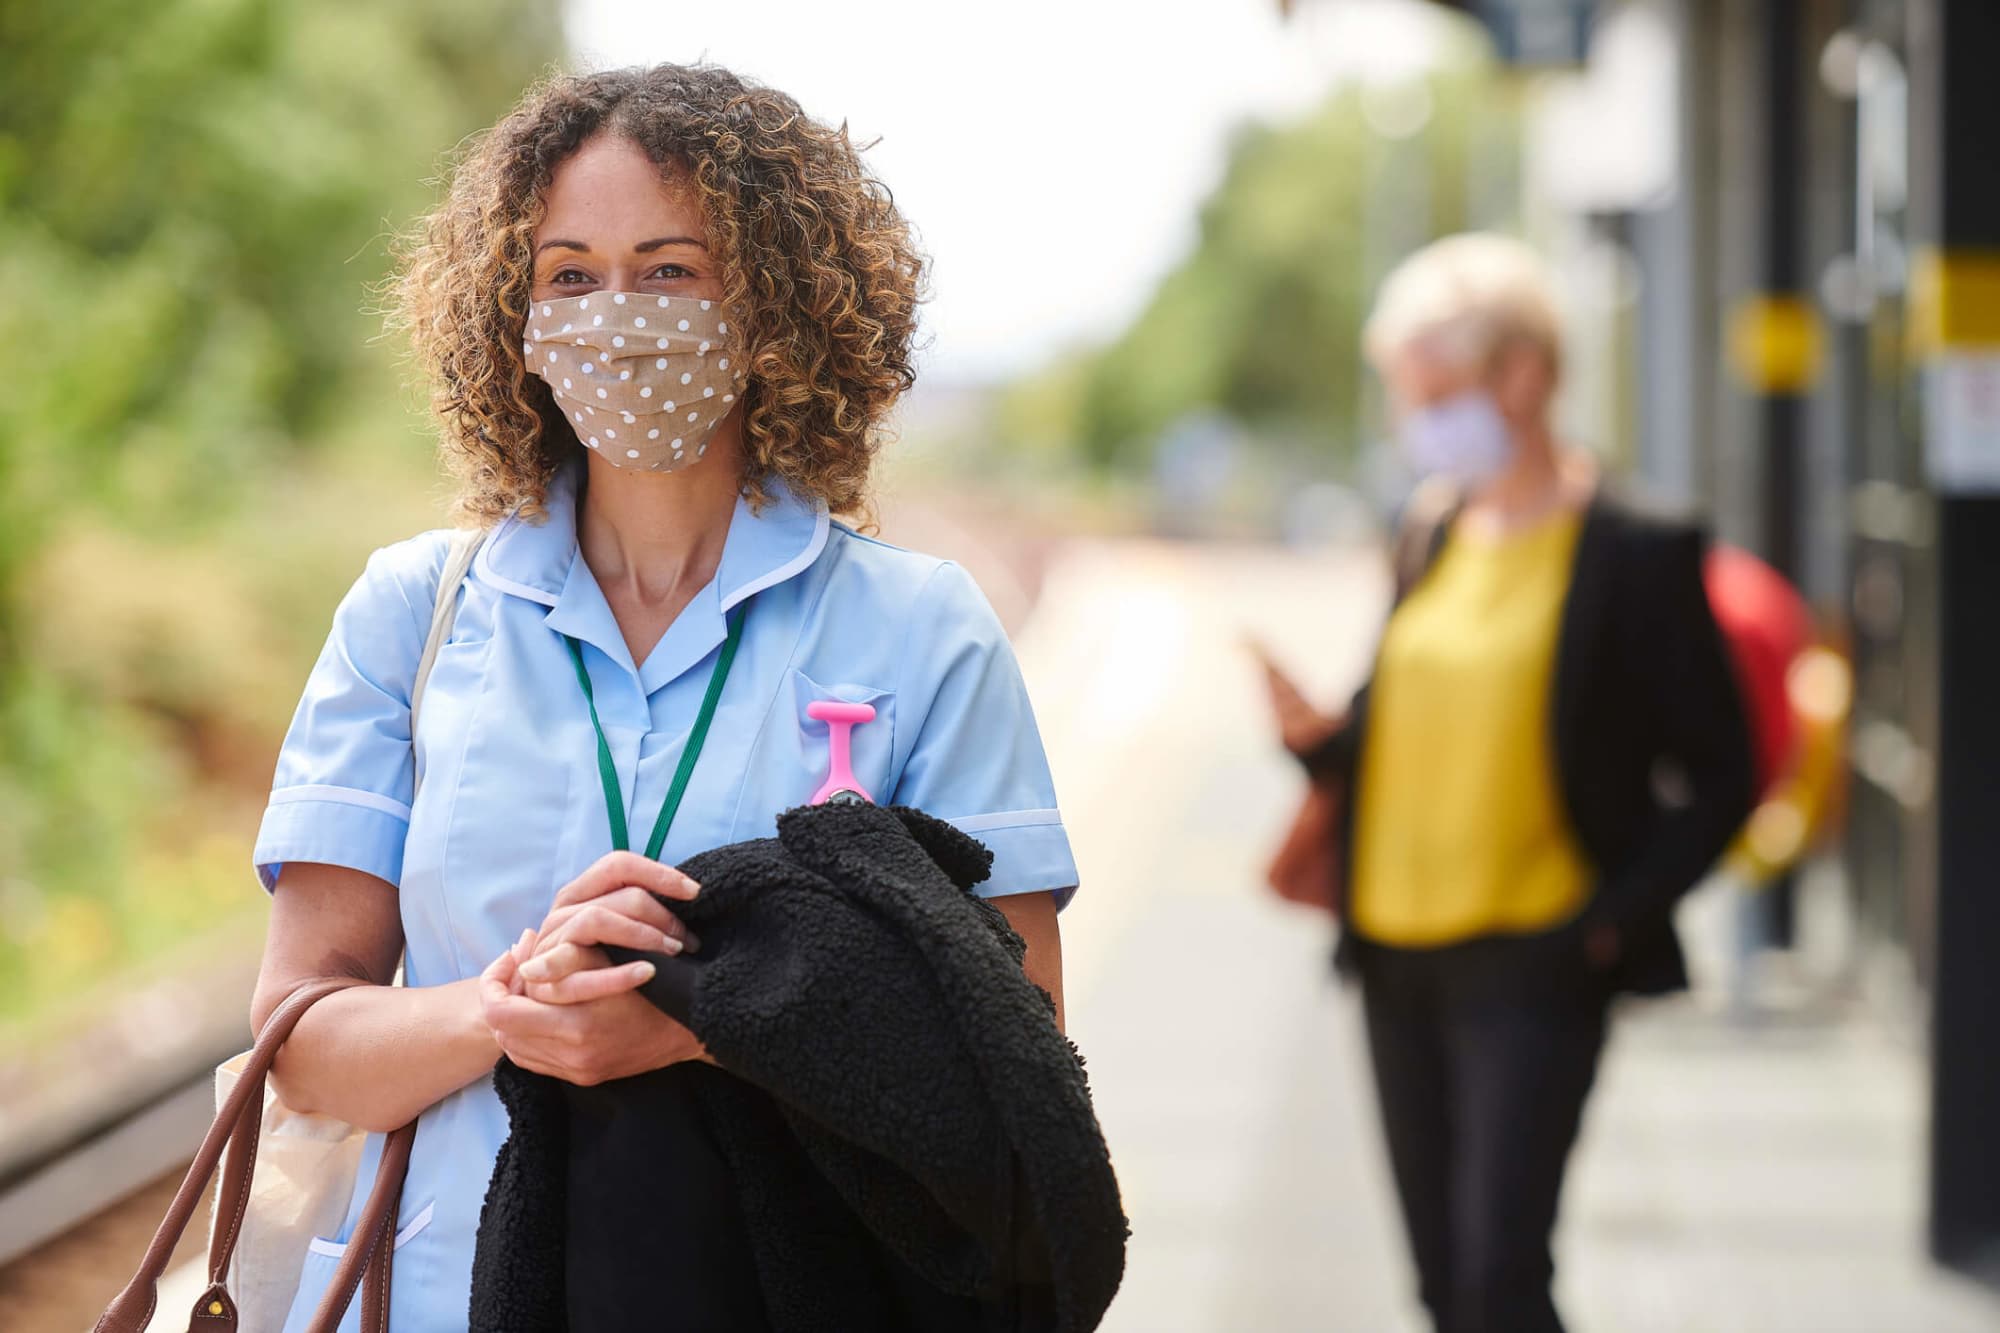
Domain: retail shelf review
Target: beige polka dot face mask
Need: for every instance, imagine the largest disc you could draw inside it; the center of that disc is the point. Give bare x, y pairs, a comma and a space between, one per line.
643, 379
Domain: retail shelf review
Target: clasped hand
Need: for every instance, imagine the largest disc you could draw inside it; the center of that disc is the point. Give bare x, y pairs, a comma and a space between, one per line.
555, 1003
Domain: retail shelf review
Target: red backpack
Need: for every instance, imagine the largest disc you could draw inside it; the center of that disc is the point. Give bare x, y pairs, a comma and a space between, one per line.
1766, 625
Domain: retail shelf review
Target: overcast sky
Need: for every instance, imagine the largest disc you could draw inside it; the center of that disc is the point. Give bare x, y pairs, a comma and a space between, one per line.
1052, 153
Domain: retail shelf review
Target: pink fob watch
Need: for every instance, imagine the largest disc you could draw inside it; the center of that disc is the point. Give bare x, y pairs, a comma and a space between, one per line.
841, 785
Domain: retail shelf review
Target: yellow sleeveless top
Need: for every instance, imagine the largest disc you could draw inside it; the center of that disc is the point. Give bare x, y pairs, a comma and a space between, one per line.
1459, 826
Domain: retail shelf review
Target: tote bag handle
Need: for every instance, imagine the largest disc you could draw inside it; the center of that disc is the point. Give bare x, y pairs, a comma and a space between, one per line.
235, 1128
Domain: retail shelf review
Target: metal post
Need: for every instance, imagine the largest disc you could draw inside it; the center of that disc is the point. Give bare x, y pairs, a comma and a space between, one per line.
1955, 214
1775, 341
1784, 278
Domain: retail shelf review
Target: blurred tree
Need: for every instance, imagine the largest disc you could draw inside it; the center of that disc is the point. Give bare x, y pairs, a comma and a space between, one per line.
195, 198
1262, 320
193, 195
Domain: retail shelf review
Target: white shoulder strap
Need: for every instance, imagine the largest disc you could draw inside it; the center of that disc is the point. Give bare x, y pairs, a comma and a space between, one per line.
458, 559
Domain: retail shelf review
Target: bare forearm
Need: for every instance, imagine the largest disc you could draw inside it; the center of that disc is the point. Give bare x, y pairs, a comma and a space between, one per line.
1033, 916
376, 1056
1044, 967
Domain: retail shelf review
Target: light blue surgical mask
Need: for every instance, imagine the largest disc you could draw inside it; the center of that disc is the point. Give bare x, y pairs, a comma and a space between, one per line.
1463, 436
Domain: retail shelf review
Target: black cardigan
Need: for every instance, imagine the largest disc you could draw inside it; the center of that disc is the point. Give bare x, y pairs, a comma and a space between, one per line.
1652, 747
903, 1138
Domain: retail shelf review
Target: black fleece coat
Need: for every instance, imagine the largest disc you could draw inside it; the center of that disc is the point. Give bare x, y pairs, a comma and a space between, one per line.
903, 1139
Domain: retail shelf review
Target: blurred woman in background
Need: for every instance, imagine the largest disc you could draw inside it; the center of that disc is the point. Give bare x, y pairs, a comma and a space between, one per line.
1550, 751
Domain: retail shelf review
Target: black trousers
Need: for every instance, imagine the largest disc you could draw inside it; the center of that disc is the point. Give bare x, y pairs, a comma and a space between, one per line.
1483, 1054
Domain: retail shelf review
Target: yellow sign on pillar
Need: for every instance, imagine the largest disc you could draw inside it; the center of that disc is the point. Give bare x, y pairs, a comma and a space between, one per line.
1954, 302
1953, 334
1776, 345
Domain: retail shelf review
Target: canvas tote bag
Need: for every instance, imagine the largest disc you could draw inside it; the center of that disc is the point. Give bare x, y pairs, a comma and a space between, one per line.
289, 1175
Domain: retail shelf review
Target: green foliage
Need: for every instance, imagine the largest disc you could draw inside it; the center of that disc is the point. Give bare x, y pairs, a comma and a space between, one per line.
196, 199
193, 197
1262, 320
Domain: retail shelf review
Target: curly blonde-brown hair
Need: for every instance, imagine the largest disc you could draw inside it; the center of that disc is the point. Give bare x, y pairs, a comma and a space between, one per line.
815, 258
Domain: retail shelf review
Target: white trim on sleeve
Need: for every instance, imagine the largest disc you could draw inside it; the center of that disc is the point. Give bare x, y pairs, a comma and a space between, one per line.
1005, 819
367, 800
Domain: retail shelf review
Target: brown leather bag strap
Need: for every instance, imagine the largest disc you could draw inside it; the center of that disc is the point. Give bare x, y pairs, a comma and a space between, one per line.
233, 1197
375, 1282
235, 1128
215, 1311
371, 1246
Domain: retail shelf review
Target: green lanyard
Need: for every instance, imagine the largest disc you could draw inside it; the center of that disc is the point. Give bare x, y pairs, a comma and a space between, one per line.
607, 771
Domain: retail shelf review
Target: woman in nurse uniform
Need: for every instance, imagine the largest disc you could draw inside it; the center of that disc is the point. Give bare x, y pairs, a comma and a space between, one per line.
663, 314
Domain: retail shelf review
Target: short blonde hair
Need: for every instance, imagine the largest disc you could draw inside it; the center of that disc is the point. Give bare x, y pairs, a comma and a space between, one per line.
1464, 298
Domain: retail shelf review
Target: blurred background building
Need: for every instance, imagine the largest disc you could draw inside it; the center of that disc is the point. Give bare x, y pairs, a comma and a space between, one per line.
1144, 424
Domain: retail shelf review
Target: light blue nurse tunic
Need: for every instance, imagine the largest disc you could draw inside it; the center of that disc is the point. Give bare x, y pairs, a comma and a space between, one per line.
511, 807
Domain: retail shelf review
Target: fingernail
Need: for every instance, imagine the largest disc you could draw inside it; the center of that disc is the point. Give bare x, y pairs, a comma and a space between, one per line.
642, 970
669, 945
693, 888
535, 970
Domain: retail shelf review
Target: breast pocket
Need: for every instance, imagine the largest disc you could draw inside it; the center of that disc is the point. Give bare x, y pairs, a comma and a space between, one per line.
871, 744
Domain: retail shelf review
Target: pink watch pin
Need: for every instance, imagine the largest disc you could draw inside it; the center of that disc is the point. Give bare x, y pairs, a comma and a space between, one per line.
840, 719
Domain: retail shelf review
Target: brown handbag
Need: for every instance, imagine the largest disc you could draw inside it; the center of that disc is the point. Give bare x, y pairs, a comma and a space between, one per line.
1307, 867
367, 1257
